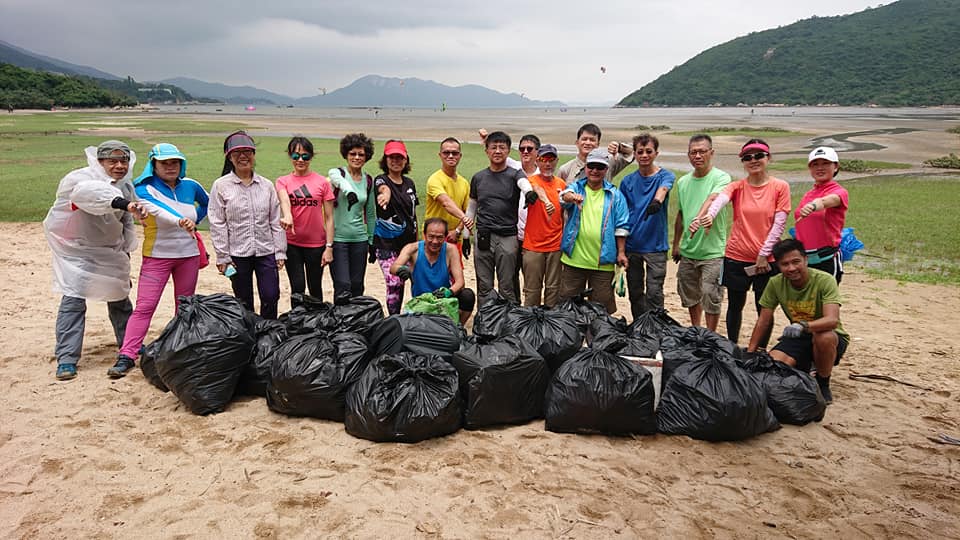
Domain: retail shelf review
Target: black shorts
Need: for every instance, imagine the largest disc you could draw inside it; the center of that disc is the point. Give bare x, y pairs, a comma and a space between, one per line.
734, 278
832, 266
801, 350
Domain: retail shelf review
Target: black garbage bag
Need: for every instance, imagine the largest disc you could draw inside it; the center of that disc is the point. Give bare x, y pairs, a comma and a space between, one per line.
311, 373
598, 392
794, 396
713, 399
268, 335
502, 381
682, 344
148, 365
308, 314
554, 334
586, 313
610, 334
490, 322
358, 314
204, 349
404, 397
419, 333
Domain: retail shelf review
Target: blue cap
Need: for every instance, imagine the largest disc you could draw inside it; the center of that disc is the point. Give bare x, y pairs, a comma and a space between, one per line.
162, 152
547, 149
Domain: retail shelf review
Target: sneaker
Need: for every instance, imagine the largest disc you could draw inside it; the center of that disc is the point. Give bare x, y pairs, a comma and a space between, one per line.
120, 369
65, 372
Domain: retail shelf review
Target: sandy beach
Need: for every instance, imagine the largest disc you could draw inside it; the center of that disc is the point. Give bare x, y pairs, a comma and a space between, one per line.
95, 457
117, 459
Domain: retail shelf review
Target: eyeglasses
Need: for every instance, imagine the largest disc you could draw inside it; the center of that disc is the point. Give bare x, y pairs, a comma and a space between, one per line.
751, 157
699, 152
357, 154
596, 166
452, 153
647, 151
243, 152
305, 156
527, 149
115, 160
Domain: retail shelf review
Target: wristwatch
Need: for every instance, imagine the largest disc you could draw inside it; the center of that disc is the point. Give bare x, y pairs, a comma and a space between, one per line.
806, 326
329, 245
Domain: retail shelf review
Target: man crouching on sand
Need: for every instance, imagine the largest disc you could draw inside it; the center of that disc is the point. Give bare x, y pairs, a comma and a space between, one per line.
810, 298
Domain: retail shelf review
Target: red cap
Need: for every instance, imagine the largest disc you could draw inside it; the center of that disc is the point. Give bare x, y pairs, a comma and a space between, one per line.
395, 147
754, 147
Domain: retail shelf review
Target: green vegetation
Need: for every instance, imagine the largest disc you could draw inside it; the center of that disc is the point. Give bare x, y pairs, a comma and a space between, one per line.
954, 129
900, 54
28, 89
765, 132
906, 222
848, 165
946, 162
644, 127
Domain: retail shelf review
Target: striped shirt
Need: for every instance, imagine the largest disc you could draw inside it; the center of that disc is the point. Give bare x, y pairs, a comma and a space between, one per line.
162, 236
245, 219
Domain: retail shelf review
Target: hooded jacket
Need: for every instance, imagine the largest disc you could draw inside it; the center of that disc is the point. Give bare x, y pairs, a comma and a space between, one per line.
615, 219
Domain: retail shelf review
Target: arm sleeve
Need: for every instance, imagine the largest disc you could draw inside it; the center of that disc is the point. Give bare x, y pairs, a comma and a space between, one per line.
776, 231
514, 164
217, 217
201, 200
523, 183
95, 197
334, 176
161, 212
718, 204
279, 236
370, 213
621, 215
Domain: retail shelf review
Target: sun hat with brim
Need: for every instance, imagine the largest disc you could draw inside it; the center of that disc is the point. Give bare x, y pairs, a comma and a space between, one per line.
598, 155
163, 152
754, 147
238, 141
393, 148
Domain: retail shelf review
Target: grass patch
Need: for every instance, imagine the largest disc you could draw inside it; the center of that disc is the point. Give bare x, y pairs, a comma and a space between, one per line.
69, 122
954, 129
749, 132
946, 162
644, 127
907, 223
849, 165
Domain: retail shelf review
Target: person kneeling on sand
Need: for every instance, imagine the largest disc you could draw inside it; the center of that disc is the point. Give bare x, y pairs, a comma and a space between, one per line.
810, 298
432, 267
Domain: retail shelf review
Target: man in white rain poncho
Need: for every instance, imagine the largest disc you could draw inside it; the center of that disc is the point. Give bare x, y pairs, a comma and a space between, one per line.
91, 233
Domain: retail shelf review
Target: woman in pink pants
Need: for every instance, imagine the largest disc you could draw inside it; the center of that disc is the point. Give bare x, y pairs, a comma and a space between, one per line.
175, 204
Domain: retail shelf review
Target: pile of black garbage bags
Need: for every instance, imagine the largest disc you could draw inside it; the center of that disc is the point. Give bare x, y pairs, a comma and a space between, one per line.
410, 377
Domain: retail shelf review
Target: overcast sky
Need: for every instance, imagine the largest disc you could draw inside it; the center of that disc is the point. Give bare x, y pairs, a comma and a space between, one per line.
546, 50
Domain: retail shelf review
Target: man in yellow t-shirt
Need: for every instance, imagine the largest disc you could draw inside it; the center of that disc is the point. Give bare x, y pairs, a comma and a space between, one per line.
448, 194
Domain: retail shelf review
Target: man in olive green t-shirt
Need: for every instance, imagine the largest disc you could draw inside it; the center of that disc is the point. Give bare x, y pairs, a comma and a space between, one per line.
700, 256
810, 298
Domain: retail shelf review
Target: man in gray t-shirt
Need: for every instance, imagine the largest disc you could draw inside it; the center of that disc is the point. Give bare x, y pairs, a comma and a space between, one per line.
495, 193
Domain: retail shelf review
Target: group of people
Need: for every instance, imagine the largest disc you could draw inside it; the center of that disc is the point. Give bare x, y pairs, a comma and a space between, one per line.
569, 229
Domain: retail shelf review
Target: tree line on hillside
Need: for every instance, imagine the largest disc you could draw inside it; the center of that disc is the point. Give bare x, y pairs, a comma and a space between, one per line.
30, 89
896, 55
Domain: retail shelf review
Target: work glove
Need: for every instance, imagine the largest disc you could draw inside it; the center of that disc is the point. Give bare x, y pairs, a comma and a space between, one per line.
371, 254
466, 248
351, 200
403, 272
653, 207
530, 198
793, 330
443, 292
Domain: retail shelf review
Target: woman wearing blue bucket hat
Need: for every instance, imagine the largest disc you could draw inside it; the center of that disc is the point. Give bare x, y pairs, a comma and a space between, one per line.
175, 205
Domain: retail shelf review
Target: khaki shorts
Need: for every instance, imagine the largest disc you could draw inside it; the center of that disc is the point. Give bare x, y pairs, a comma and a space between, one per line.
698, 282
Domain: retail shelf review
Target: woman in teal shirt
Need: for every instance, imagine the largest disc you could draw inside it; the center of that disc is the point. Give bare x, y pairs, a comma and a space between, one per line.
354, 217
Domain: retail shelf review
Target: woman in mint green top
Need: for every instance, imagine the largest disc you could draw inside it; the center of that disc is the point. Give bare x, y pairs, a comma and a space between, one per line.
354, 217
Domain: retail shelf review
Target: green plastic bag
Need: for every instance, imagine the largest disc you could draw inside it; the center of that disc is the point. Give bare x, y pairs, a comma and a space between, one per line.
428, 303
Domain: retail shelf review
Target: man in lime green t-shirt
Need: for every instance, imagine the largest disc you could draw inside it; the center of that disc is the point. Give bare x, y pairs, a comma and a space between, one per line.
700, 256
810, 298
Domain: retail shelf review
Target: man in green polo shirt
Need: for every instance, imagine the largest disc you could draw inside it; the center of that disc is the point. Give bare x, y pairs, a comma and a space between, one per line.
810, 298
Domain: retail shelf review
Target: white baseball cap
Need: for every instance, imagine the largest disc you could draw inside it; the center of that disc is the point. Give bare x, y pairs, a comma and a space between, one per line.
823, 152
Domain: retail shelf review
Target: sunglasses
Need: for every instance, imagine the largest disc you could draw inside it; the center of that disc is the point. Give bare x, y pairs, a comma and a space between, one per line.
243, 152
596, 166
647, 151
527, 149
450, 153
306, 156
746, 158
357, 154
548, 158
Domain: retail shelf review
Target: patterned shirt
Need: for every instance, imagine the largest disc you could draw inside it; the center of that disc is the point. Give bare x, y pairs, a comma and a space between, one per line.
245, 219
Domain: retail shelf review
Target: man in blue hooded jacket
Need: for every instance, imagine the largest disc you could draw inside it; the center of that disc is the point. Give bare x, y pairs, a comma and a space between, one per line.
594, 235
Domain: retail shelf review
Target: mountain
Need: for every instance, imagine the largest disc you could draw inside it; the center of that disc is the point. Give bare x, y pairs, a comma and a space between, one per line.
25, 88
11, 54
377, 91
901, 54
229, 94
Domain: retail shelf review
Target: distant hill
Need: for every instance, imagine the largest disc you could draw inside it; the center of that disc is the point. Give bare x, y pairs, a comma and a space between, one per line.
377, 91
23, 88
901, 54
11, 54
229, 94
